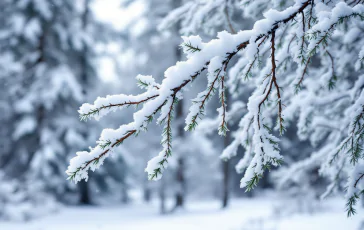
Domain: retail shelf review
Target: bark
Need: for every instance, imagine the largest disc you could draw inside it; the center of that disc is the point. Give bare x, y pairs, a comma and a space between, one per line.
84, 193
147, 194
226, 168
226, 184
124, 195
162, 197
181, 184
180, 172
35, 138
83, 186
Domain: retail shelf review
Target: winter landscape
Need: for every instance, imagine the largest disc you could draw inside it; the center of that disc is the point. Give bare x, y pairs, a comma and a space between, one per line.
182, 114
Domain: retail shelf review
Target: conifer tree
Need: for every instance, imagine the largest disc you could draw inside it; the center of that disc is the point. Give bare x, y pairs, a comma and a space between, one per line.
48, 63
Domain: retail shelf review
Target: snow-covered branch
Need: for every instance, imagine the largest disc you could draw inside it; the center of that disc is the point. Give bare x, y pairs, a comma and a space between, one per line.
277, 53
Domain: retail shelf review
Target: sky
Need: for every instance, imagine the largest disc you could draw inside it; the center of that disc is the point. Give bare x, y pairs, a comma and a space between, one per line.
111, 11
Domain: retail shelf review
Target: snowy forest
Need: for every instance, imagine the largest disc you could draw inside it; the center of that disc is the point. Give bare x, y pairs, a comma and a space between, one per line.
182, 114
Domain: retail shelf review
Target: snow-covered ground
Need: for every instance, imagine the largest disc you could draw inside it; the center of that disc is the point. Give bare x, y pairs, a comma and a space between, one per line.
243, 214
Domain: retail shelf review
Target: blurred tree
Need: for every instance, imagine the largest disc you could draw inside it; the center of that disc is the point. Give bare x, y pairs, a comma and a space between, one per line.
48, 58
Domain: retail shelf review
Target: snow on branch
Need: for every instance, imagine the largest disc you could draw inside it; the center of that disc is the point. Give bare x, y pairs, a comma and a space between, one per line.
310, 25
176, 78
102, 106
322, 31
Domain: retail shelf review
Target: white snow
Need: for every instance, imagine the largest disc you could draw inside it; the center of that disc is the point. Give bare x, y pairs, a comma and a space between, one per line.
244, 214
25, 126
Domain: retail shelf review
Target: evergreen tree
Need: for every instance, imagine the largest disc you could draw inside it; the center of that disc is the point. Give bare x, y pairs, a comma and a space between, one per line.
48, 61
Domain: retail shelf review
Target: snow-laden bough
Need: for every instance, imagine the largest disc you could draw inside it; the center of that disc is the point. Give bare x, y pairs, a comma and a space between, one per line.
280, 41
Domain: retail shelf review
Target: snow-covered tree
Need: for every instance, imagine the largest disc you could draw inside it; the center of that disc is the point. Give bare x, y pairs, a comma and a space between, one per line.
48, 62
302, 61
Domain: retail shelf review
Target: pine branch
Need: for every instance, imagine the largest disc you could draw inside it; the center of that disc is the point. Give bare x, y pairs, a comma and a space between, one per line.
93, 112
72, 175
327, 34
223, 126
109, 144
311, 15
298, 86
353, 140
211, 89
166, 142
332, 81
350, 205
302, 48
191, 48
274, 79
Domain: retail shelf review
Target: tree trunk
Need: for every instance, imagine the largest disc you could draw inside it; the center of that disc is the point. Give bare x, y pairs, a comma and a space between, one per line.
226, 167
180, 171
84, 193
162, 197
226, 178
147, 194
40, 111
124, 195
83, 185
180, 193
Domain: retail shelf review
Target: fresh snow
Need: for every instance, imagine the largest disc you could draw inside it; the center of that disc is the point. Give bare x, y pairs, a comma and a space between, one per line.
244, 214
